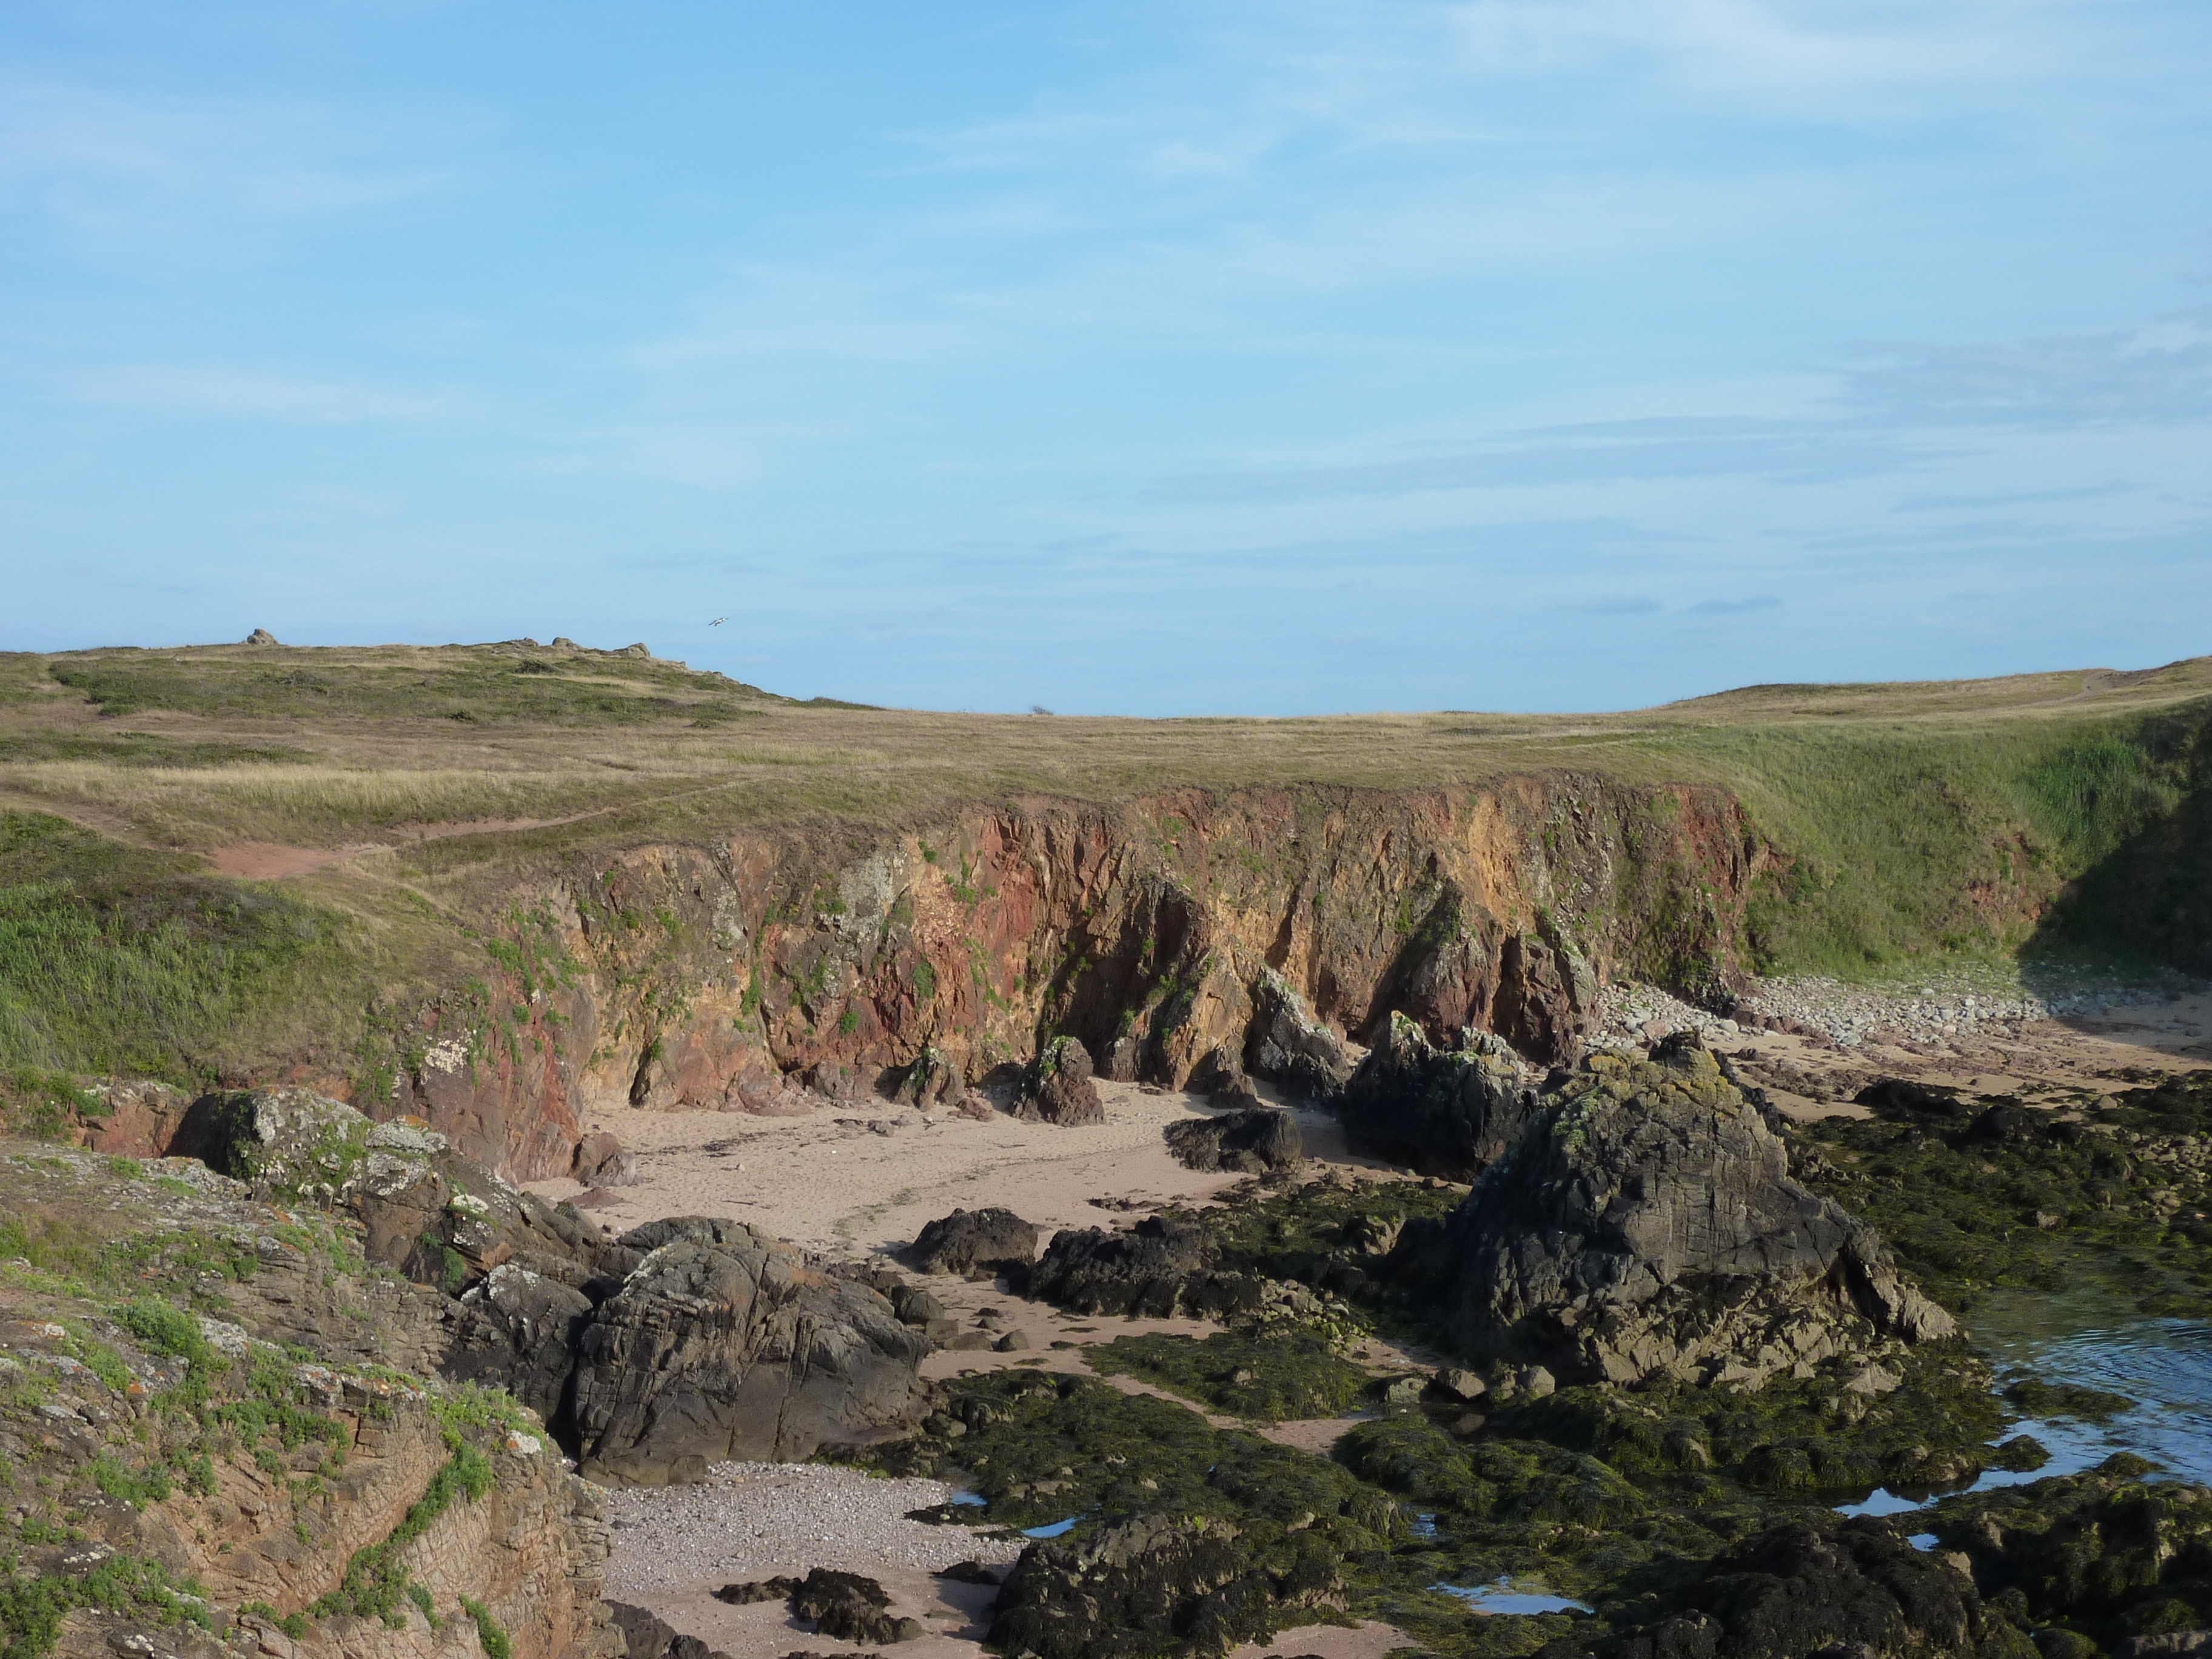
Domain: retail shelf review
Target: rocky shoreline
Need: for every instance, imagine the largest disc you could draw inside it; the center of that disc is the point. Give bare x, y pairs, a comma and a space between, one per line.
1628, 1330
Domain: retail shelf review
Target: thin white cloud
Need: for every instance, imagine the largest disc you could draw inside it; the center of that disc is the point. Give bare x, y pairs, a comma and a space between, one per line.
131, 176
249, 394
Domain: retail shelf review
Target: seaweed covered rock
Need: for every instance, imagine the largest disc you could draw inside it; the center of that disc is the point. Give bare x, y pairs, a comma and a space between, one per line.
1152, 1584
1286, 1044
975, 1241
1255, 1139
1851, 1588
2124, 1562
853, 1608
725, 1343
1645, 1223
1057, 1087
1450, 1112
1161, 1267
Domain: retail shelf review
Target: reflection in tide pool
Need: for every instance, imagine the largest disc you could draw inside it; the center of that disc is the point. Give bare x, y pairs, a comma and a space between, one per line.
1052, 1531
2164, 1364
1511, 1595
1880, 1501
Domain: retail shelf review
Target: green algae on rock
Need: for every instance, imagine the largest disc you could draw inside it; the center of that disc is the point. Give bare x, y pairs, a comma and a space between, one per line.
1261, 1378
1645, 1224
1974, 1194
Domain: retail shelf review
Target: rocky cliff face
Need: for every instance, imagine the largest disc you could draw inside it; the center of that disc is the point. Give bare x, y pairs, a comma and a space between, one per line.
264, 1473
704, 976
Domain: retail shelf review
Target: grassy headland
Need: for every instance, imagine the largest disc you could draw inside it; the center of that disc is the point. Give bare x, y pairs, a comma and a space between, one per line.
2049, 813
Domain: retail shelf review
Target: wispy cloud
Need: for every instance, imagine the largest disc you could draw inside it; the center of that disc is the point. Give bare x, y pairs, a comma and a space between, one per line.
1782, 451
249, 394
2162, 372
128, 175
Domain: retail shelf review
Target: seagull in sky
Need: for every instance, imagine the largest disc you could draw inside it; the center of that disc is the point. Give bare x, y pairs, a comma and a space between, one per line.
718, 622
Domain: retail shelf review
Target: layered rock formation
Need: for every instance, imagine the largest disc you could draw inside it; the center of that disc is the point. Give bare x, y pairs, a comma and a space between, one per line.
1445, 1112
1645, 1223
682, 1342
249, 1446
1250, 925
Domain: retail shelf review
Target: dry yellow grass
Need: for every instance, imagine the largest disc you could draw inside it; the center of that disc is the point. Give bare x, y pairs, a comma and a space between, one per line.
362, 777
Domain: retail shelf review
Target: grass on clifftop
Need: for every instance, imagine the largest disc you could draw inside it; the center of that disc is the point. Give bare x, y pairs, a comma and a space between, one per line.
1914, 822
118, 960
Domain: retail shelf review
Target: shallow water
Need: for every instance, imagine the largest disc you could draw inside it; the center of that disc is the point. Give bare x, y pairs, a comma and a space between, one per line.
2165, 1365
1511, 1595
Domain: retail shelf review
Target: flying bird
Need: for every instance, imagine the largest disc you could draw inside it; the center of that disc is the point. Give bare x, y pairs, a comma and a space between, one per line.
718, 622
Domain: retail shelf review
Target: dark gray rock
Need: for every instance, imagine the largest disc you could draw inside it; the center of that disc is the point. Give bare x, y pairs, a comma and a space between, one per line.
725, 1344
1645, 1223
1251, 1141
1057, 1087
517, 1330
1152, 1585
1831, 1589
1450, 1113
1286, 1044
847, 1606
647, 1636
979, 1242
1158, 1269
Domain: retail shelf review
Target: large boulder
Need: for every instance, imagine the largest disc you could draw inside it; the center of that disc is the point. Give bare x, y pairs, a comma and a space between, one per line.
1286, 1044
724, 1343
1057, 1087
983, 1243
1252, 1141
1154, 1584
289, 1145
1645, 1223
1445, 1112
1160, 1269
603, 1161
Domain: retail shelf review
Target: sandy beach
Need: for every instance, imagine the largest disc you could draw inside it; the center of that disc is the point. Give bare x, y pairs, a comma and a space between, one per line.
859, 1180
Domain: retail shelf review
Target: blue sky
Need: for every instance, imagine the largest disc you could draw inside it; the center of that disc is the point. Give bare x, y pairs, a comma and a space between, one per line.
1144, 358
